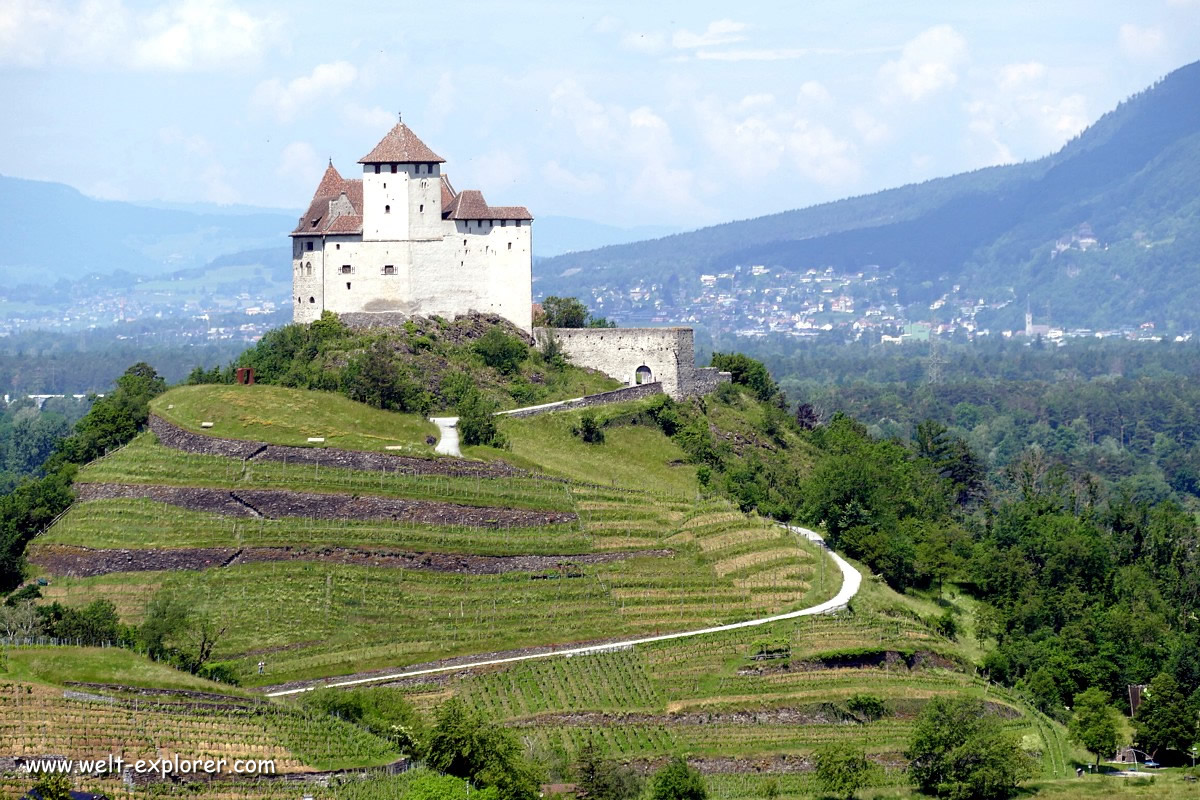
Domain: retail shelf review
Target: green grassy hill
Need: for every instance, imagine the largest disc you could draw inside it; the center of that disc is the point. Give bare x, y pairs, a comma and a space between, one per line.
637, 538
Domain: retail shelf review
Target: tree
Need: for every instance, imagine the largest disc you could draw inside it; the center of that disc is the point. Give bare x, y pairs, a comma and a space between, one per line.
678, 781
564, 312
464, 745
476, 423
959, 750
603, 778
1094, 723
842, 769
747, 372
20, 620
589, 428
807, 417
867, 706
1165, 720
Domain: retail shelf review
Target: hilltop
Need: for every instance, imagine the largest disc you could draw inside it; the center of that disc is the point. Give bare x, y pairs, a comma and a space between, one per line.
367, 554
1125, 188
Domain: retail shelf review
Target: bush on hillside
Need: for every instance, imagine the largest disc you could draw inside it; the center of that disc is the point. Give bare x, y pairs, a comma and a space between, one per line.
501, 351
589, 428
747, 372
842, 769
678, 781
384, 712
476, 423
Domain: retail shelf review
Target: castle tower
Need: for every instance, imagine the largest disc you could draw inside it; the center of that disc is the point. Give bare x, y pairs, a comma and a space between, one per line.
402, 197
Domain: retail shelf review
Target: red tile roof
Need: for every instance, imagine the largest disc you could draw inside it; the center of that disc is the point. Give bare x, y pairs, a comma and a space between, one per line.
316, 219
331, 183
448, 192
469, 204
401, 146
347, 223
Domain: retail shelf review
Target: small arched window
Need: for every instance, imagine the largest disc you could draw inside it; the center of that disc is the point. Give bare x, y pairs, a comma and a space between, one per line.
312, 299
387, 209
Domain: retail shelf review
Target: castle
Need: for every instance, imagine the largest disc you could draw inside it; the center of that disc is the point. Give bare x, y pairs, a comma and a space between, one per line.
401, 239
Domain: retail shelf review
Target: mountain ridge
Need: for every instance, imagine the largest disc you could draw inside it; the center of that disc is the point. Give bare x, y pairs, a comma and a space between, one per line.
990, 229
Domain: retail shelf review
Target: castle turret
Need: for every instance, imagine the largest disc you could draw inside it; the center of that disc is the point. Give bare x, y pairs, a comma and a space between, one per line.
402, 195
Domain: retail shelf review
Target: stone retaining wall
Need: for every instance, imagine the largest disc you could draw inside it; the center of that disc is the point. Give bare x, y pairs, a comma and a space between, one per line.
603, 398
276, 503
73, 561
177, 438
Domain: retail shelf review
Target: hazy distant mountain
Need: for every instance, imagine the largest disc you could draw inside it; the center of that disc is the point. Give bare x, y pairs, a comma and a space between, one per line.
1105, 231
554, 236
52, 231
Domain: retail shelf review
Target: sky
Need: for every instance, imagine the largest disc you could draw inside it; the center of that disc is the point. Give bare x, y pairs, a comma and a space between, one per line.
666, 113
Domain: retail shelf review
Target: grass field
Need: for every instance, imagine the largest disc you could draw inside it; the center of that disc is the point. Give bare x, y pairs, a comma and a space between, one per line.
144, 461
55, 665
280, 415
631, 456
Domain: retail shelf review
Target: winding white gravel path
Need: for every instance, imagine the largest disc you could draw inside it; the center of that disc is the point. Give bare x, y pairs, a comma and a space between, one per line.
447, 436
851, 582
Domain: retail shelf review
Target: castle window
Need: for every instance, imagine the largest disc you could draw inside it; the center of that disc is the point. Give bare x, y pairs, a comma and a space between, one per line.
376, 169
346, 269
338, 246
518, 223
347, 284
464, 242
389, 269
422, 208
387, 209
503, 223
393, 169
308, 245
312, 300
510, 245
308, 269
385, 186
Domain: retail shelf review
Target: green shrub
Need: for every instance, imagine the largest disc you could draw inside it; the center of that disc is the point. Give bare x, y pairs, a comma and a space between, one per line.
476, 423
842, 769
589, 429
500, 351
867, 706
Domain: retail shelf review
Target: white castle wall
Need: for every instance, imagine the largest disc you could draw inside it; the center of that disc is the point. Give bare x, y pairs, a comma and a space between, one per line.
669, 353
472, 265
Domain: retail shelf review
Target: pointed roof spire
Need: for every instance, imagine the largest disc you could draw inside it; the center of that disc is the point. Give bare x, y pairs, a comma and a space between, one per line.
401, 146
331, 182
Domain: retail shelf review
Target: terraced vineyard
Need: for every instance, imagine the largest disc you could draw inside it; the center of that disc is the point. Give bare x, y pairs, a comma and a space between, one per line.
462, 566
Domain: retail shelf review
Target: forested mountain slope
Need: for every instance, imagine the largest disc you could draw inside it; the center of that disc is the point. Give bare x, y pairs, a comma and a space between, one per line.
1129, 182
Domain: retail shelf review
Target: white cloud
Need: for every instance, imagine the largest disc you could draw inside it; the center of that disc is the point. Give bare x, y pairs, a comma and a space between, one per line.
300, 163
751, 55
928, 64
1141, 43
193, 145
1013, 76
821, 155
183, 35
564, 179
870, 129
200, 34
285, 100
607, 24
813, 91
1020, 114
634, 143
722, 31
374, 118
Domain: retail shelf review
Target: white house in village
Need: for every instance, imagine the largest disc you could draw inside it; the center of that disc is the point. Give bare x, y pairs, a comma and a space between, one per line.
401, 239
